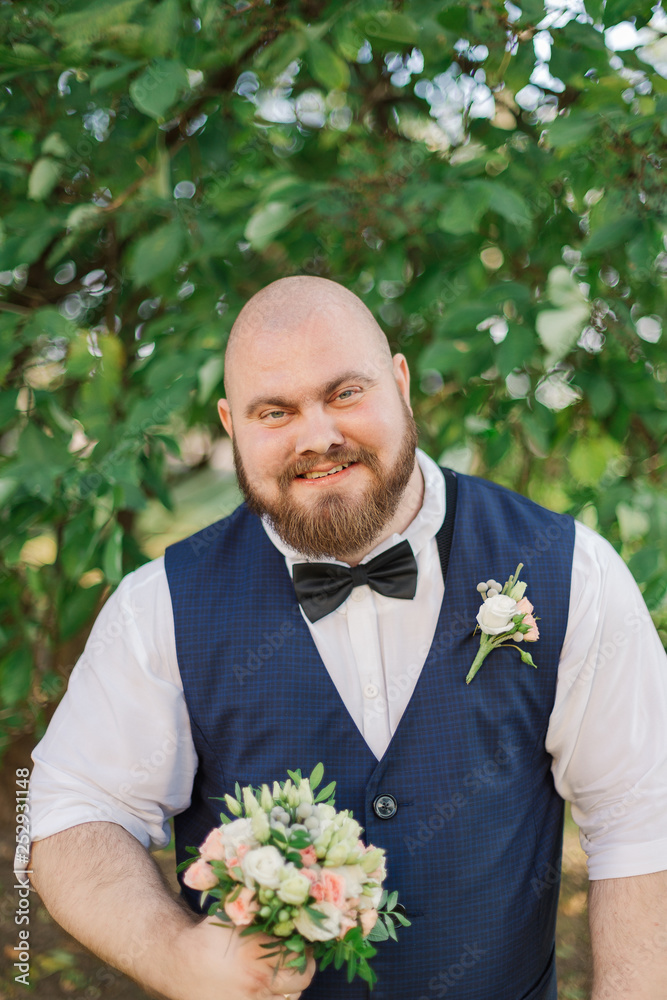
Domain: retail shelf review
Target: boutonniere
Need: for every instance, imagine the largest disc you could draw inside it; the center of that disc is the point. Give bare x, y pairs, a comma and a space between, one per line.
505, 618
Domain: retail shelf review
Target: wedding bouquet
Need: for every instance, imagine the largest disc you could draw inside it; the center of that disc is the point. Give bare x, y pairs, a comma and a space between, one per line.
291, 866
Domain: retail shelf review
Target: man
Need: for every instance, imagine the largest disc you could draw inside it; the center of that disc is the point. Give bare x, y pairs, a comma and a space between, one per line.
204, 669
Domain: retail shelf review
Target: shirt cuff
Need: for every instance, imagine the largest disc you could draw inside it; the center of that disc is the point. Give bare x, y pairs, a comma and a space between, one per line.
624, 862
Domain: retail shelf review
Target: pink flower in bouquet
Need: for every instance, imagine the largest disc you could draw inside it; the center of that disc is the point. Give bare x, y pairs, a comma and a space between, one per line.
368, 920
213, 848
200, 875
533, 634
243, 908
346, 924
308, 855
525, 607
334, 889
235, 861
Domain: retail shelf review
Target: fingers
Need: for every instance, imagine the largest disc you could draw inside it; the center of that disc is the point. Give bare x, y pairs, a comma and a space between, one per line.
289, 982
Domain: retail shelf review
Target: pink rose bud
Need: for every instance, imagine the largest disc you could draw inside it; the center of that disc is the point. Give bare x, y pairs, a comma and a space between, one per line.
242, 910
533, 634
368, 920
308, 856
524, 606
200, 875
212, 849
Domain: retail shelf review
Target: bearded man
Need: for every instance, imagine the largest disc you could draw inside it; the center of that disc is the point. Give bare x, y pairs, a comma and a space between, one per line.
338, 626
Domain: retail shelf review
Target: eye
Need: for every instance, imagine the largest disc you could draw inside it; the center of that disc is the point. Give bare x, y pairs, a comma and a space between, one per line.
346, 395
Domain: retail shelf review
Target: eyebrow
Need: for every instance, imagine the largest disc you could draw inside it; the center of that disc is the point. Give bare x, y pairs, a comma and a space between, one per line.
283, 403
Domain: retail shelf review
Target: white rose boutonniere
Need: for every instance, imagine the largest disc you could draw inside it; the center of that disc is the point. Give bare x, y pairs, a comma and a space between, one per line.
505, 618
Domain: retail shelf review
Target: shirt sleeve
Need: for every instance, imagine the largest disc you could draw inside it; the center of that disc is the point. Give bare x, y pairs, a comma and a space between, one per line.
608, 730
119, 747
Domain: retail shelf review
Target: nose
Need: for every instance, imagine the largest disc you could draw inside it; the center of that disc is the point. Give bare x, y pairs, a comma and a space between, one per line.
317, 432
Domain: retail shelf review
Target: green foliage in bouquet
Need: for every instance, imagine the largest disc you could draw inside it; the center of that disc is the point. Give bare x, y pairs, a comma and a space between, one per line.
488, 177
286, 864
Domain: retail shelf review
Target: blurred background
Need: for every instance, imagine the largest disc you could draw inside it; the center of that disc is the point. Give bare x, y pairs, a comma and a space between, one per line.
488, 177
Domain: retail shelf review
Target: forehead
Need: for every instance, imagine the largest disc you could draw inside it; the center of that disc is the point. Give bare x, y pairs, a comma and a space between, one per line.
303, 357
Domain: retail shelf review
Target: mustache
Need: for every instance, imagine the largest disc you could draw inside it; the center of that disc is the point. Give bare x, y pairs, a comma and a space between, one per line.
344, 456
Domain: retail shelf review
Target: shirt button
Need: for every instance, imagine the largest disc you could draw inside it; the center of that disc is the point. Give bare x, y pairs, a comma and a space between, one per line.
358, 594
385, 806
371, 690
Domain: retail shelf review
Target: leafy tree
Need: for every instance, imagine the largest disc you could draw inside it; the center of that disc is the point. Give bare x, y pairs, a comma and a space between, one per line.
486, 176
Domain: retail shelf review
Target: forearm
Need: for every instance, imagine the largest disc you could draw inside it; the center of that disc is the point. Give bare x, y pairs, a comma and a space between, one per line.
628, 919
103, 887
100, 884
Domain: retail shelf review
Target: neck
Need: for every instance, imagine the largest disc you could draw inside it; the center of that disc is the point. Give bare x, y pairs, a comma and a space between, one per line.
406, 512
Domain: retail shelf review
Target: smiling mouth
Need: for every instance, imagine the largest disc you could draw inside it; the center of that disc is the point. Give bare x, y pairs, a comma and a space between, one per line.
321, 475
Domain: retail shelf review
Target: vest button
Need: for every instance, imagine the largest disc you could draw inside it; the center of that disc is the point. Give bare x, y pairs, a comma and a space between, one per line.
385, 806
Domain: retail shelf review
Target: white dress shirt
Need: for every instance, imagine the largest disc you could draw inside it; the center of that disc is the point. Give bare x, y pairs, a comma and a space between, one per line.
119, 747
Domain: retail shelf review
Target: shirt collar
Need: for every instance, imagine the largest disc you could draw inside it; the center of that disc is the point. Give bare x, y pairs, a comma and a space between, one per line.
419, 532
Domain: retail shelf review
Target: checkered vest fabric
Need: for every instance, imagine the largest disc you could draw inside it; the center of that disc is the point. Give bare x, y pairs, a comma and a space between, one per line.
475, 843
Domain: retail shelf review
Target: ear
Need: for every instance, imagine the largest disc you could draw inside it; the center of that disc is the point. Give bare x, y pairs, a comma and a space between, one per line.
225, 414
402, 376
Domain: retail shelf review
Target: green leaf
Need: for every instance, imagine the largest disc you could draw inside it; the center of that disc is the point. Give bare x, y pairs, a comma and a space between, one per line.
157, 90
645, 563
391, 26
326, 792
276, 56
86, 25
109, 77
510, 204
655, 590
42, 461
164, 27
516, 349
316, 776
572, 130
156, 253
77, 609
465, 208
559, 329
328, 68
112, 560
208, 377
267, 222
613, 234
392, 900
15, 676
379, 932
44, 176
616, 11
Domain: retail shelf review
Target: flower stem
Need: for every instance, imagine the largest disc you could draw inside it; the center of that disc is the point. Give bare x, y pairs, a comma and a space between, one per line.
482, 654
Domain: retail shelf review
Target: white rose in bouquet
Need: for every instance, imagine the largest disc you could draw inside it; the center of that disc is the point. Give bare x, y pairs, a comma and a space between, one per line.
237, 834
370, 898
294, 887
354, 878
315, 931
262, 866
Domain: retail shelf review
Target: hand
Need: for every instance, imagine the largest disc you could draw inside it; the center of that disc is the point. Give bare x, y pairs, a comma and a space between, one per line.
216, 961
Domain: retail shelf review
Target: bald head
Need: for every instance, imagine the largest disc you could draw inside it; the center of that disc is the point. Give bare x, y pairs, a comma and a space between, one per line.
313, 307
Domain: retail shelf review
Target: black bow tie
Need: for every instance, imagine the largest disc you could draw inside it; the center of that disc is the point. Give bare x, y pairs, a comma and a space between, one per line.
322, 587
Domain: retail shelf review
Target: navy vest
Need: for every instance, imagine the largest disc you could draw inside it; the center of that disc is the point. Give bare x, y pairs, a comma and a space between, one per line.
474, 846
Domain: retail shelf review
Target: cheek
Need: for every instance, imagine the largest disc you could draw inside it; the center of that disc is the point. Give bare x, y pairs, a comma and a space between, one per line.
264, 453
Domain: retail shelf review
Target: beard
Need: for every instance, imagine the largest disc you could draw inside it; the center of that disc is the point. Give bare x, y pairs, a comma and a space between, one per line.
333, 526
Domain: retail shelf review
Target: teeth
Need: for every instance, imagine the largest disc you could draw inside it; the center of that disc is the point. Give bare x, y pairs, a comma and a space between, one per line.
320, 475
